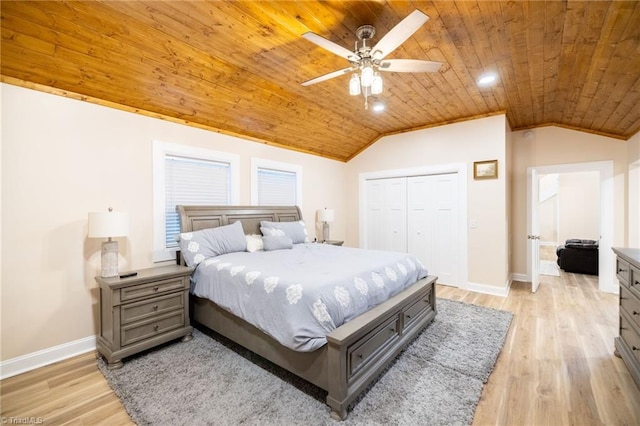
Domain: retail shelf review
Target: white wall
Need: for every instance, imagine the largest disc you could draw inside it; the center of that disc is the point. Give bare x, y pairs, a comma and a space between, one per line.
469, 141
548, 220
579, 206
63, 158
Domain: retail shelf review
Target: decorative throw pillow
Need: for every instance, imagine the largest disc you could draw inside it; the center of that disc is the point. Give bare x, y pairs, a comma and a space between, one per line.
277, 242
296, 231
254, 243
200, 245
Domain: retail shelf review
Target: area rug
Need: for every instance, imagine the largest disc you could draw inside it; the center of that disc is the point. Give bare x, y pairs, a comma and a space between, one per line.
549, 267
437, 380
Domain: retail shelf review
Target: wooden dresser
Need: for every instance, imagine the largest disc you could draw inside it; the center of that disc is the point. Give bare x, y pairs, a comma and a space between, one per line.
140, 312
628, 344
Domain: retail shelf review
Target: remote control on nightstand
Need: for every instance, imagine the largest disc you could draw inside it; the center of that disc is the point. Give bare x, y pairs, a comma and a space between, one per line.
128, 274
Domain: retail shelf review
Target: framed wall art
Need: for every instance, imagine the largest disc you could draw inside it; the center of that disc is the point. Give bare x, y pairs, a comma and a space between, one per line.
485, 169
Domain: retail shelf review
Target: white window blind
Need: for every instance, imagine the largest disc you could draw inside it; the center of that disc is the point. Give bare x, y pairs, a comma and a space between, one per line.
277, 187
192, 181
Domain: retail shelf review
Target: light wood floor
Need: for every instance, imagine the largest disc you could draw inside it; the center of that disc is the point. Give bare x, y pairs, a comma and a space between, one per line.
557, 367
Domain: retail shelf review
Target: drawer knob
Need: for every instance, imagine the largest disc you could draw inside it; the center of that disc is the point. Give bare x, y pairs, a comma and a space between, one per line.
408, 316
392, 330
622, 270
155, 327
635, 348
156, 288
155, 307
636, 313
360, 356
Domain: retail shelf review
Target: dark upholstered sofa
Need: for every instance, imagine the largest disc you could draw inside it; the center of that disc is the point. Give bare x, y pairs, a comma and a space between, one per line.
579, 256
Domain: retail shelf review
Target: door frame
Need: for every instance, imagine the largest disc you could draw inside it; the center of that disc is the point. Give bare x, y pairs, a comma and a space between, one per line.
460, 169
606, 277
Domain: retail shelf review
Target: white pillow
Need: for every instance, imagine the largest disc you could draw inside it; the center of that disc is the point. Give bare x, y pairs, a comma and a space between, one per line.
254, 243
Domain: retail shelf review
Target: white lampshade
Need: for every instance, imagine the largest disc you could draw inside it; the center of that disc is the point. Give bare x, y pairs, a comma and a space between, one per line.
367, 76
108, 224
325, 215
354, 85
376, 85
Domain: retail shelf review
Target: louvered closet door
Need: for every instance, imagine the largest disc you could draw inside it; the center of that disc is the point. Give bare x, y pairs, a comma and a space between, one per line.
432, 234
387, 214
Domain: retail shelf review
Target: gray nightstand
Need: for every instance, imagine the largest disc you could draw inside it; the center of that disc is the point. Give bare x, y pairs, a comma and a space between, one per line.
333, 242
143, 311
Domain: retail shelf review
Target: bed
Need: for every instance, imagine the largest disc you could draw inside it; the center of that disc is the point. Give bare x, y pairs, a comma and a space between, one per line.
355, 353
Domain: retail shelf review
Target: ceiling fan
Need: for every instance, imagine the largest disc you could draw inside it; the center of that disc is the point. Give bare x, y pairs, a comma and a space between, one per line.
370, 59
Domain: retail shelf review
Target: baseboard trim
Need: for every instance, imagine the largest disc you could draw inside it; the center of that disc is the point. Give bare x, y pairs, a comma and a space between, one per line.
489, 289
28, 362
520, 277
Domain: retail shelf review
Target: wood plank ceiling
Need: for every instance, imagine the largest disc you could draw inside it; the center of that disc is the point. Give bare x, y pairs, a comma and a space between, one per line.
236, 66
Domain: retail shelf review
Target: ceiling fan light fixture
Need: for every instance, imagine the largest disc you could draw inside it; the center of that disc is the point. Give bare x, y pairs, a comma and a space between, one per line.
354, 85
376, 84
366, 77
367, 59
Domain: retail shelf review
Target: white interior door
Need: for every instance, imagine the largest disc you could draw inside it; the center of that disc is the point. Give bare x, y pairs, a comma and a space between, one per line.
387, 214
420, 219
432, 228
445, 228
533, 237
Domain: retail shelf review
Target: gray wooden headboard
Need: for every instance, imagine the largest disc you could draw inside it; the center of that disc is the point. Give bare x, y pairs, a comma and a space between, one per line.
195, 218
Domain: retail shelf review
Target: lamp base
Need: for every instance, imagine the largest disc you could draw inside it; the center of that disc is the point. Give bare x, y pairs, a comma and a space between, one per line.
109, 259
325, 231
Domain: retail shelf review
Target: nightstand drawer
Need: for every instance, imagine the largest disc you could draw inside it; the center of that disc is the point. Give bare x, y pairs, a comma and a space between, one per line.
147, 308
151, 289
140, 331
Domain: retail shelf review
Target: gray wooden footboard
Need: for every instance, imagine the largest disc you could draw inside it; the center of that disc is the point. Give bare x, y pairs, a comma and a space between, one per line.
361, 349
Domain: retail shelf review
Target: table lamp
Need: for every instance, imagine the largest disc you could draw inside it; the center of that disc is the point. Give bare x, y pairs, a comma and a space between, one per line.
325, 216
108, 225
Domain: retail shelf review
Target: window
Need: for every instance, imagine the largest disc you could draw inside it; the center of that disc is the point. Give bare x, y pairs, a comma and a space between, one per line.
275, 184
186, 175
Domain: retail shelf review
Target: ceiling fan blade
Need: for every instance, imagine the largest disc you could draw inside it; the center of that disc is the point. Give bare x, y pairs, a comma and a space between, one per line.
330, 46
399, 34
327, 76
409, 65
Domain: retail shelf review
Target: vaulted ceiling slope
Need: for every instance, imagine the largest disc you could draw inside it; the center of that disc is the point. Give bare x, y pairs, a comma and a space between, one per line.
236, 66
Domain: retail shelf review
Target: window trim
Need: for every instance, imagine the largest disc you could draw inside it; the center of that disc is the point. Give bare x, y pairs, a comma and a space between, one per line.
261, 163
160, 151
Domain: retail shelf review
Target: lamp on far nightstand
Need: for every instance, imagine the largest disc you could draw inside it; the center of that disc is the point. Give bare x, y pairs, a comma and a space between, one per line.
325, 216
108, 225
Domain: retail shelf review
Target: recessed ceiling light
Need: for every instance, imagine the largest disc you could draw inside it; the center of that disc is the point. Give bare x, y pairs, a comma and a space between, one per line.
487, 79
378, 107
